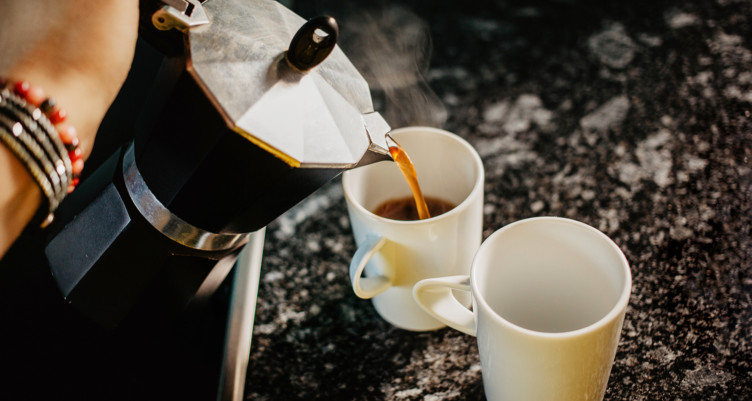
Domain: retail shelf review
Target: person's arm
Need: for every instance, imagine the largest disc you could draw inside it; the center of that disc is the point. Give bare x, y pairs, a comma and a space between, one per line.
79, 52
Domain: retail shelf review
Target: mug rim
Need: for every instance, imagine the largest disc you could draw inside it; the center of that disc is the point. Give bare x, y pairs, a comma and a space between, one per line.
613, 313
477, 185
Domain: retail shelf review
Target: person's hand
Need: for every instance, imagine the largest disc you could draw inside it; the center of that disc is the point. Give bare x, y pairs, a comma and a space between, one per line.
79, 52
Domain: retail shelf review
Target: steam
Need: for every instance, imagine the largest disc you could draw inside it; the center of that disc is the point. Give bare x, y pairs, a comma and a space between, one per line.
391, 47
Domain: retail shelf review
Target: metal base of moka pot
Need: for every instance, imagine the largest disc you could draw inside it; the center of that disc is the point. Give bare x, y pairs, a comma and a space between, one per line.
130, 265
109, 257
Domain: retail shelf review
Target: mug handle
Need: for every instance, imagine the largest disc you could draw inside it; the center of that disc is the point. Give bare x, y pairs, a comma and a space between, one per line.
367, 287
434, 295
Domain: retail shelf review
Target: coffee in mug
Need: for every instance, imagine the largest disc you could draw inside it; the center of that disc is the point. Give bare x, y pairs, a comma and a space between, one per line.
394, 254
405, 208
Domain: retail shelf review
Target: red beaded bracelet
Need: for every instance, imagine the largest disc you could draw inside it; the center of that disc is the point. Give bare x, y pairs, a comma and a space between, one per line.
57, 116
35, 131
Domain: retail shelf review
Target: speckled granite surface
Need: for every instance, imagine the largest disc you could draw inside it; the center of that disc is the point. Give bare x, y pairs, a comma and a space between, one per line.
631, 117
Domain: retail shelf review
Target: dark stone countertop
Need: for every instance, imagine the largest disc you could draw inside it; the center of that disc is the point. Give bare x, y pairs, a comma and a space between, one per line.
631, 117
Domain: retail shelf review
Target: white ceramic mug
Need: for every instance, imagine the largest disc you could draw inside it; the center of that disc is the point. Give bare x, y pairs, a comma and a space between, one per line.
549, 297
396, 254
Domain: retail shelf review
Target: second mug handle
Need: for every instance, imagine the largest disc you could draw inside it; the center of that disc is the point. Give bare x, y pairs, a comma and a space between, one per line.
367, 287
434, 295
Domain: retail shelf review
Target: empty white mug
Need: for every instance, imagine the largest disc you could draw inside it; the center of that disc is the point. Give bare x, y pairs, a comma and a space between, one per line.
549, 298
396, 254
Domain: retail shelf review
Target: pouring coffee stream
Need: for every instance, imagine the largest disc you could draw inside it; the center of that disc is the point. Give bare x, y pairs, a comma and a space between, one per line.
407, 168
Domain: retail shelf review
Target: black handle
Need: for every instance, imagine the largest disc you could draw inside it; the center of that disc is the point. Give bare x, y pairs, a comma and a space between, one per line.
312, 43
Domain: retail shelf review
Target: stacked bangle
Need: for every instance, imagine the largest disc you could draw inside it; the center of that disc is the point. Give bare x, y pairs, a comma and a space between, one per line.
34, 130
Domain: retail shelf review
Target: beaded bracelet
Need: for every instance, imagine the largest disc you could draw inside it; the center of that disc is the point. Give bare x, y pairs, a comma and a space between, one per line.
33, 128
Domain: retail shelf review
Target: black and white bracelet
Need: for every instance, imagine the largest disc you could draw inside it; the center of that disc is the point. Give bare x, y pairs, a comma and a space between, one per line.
30, 135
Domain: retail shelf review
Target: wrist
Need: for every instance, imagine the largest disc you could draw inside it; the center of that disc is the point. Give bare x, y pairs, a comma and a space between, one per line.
19, 199
72, 92
35, 131
80, 56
